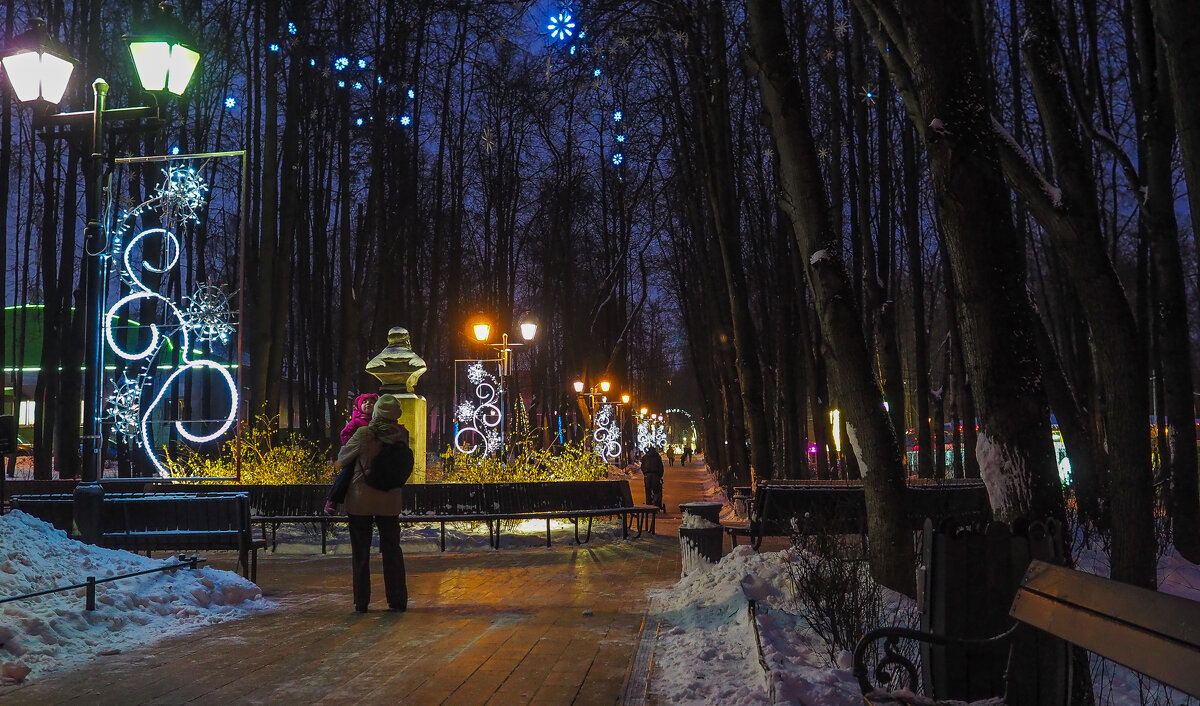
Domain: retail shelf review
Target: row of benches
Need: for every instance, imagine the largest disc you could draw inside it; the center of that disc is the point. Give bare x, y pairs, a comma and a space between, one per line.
782, 508
442, 503
177, 516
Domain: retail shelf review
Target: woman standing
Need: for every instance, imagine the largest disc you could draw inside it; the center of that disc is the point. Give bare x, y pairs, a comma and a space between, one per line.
368, 507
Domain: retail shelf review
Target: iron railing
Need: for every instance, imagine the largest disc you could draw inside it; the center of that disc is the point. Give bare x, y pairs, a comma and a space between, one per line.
91, 582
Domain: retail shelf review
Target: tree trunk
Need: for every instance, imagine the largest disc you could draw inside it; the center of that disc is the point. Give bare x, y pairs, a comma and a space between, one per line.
803, 199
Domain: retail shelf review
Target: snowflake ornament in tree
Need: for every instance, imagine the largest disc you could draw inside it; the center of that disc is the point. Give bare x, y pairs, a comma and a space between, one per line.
841, 27
561, 26
867, 95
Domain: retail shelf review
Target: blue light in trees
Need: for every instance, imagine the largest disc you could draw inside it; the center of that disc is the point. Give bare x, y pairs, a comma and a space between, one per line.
362, 63
358, 122
405, 120
379, 80
617, 116
572, 50
341, 84
292, 28
596, 72
230, 102
621, 138
561, 26
358, 85
175, 149
273, 46
312, 62
617, 158
341, 63
411, 94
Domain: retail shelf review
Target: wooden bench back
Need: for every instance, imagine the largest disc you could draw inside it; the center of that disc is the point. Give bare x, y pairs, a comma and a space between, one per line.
841, 508
1154, 633
515, 498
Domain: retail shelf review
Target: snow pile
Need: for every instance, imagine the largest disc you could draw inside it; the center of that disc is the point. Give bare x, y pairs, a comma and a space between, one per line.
52, 632
706, 650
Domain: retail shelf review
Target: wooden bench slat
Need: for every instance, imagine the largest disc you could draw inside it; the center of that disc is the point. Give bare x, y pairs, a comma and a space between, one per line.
1150, 632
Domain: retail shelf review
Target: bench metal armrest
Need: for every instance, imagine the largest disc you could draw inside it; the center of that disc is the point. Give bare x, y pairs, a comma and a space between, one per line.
894, 670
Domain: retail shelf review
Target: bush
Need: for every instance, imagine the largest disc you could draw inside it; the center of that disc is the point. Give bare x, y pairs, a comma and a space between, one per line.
269, 457
841, 601
570, 462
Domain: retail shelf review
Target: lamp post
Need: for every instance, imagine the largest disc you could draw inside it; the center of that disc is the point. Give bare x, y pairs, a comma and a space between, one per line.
38, 72
482, 330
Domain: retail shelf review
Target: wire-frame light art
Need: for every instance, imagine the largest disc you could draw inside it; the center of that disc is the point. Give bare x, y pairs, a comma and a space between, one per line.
479, 419
177, 200
606, 437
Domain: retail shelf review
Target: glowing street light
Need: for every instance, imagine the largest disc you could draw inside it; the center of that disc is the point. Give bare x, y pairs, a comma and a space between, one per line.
38, 71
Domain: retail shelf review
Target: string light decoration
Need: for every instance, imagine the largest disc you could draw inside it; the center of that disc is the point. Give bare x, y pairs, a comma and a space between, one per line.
606, 437
479, 419
178, 200
645, 436
561, 27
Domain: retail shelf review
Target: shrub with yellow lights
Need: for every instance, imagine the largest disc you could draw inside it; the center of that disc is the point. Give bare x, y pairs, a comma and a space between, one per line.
570, 462
269, 457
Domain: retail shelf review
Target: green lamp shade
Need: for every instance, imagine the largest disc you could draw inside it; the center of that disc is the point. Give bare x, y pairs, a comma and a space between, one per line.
164, 66
36, 75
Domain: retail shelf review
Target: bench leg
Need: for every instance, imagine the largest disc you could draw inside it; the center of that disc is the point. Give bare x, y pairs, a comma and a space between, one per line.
589, 530
443, 544
547, 531
324, 535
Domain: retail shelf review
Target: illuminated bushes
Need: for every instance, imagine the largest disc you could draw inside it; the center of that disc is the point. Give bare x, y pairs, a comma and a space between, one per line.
269, 457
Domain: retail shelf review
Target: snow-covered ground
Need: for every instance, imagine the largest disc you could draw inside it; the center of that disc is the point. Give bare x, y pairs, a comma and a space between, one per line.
705, 650
52, 632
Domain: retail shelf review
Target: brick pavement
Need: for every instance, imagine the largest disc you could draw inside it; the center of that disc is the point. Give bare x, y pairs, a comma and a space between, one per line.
517, 626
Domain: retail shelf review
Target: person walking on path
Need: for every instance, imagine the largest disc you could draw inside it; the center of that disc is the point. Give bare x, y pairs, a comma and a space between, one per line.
652, 476
687, 454
670, 455
368, 507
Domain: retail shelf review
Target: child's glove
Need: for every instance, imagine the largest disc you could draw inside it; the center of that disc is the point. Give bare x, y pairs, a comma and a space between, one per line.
330, 508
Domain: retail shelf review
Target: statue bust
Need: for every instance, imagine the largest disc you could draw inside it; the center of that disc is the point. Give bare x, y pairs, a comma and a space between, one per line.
397, 367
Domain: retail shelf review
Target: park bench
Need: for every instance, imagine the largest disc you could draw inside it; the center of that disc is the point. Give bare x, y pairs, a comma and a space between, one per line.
146, 522
442, 503
782, 508
1153, 633
494, 503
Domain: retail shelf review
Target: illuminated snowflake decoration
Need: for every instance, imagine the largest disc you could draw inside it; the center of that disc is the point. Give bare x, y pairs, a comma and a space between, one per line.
866, 95
479, 419
341, 63
561, 26
183, 193
841, 27
823, 153
645, 436
617, 159
122, 409
606, 437
209, 314
178, 199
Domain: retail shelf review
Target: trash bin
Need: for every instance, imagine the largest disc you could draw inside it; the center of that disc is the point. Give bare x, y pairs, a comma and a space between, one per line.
700, 535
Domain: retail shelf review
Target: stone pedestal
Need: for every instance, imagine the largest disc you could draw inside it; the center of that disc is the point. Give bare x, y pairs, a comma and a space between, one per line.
415, 419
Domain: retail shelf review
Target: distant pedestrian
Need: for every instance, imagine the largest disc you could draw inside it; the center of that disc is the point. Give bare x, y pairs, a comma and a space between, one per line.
687, 454
652, 476
360, 416
369, 507
670, 455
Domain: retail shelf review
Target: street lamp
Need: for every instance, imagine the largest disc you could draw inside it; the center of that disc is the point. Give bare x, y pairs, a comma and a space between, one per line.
38, 71
481, 327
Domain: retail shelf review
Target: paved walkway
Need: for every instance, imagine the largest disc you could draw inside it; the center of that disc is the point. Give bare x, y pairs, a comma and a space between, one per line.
515, 626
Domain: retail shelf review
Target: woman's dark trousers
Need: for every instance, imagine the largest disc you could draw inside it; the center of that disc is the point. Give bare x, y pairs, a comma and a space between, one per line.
393, 560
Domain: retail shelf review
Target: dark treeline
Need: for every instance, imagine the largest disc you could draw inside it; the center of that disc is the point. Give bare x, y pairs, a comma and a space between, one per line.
946, 221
